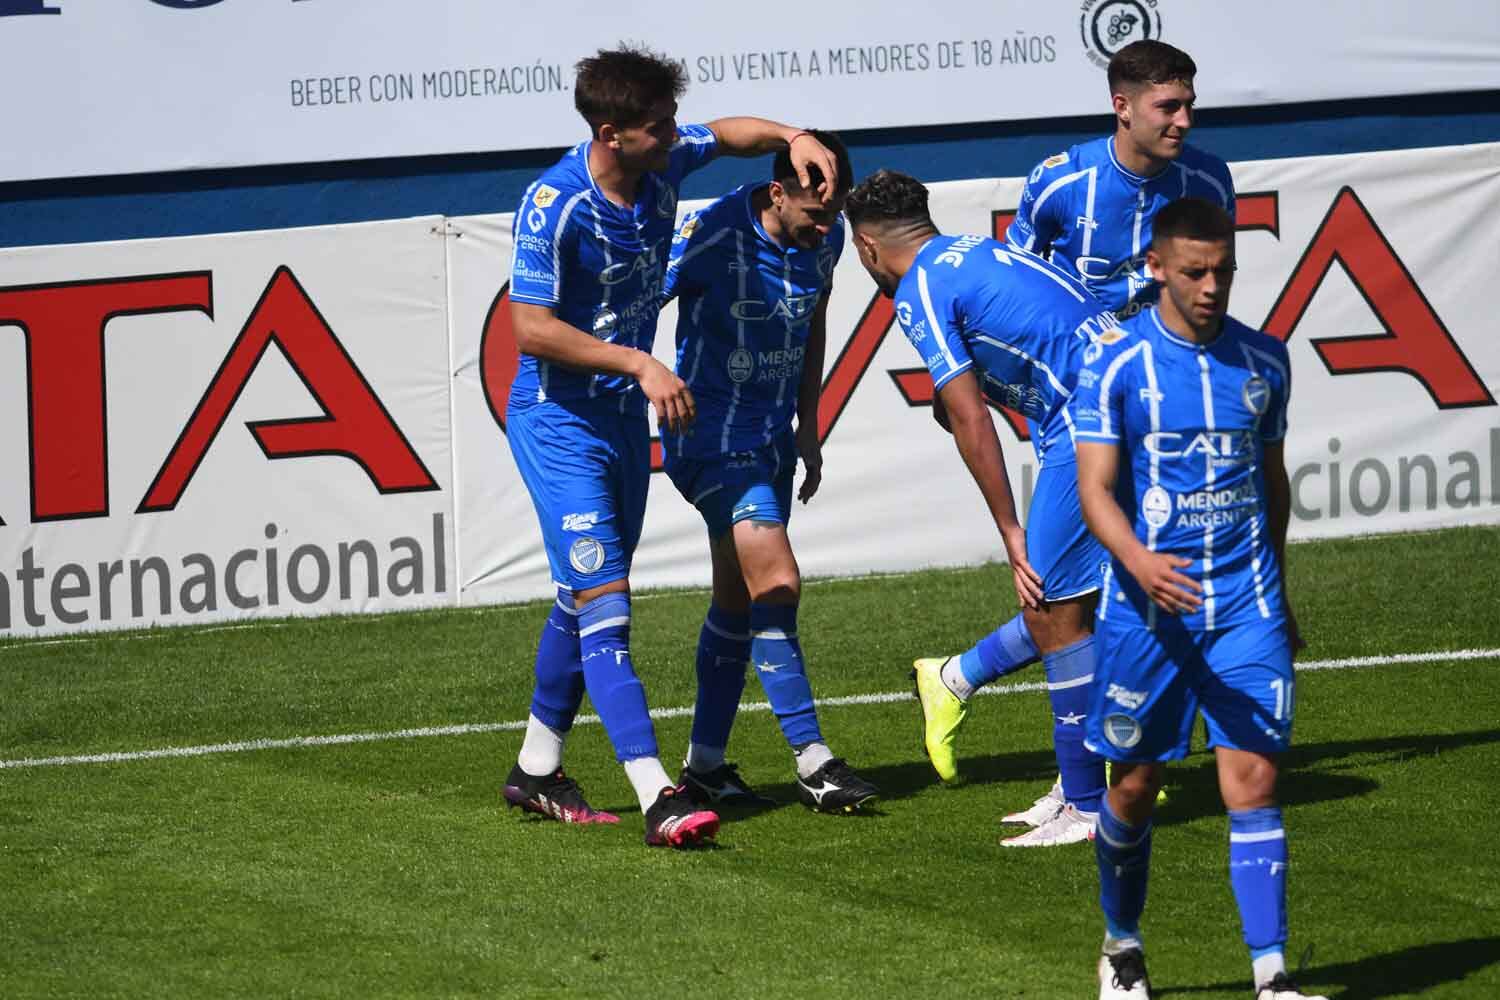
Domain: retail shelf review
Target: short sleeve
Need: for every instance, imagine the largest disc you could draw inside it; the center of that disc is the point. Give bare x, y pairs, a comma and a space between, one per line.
542, 237
1097, 405
1273, 424
929, 317
695, 146
1033, 229
687, 258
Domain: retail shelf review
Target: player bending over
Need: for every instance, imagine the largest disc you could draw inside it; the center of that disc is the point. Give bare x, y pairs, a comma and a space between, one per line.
592, 237
752, 273
998, 323
1180, 470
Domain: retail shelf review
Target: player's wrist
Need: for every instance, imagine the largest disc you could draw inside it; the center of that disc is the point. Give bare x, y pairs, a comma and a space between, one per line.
797, 134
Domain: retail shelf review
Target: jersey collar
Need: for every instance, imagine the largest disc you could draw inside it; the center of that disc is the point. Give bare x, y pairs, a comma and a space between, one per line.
1114, 159
1155, 314
641, 189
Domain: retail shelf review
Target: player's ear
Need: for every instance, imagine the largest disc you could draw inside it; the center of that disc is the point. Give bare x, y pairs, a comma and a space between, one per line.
609, 135
1154, 264
1122, 109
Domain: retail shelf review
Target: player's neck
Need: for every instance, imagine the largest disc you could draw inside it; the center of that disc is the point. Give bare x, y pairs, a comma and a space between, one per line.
618, 184
770, 221
1132, 159
1177, 323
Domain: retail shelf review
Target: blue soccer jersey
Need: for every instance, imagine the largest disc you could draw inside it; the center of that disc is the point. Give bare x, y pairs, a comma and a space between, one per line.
599, 265
744, 310
1022, 324
1192, 423
1092, 217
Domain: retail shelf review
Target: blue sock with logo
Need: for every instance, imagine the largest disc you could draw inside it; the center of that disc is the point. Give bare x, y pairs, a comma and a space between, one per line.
559, 669
1123, 853
1070, 674
1257, 873
723, 649
777, 656
1003, 651
609, 674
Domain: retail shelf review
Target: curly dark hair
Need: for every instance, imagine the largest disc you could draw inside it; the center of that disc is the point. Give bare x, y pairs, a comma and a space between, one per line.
1147, 61
1193, 219
888, 196
620, 86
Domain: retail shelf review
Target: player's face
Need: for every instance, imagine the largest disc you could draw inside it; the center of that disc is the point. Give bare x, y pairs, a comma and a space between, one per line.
646, 145
869, 255
803, 217
1196, 275
1158, 118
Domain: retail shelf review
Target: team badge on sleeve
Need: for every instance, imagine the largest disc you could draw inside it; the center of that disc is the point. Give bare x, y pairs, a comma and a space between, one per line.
1054, 161
544, 196
1257, 394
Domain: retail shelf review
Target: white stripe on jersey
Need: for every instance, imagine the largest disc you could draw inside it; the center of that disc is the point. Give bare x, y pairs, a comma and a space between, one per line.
1104, 594
694, 140
1271, 359
1213, 182
1255, 541
695, 251
786, 284
1149, 363
1088, 211
938, 332
1107, 383
1052, 188
1068, 284
742, 269
1057, 386
603, 299
1206, 380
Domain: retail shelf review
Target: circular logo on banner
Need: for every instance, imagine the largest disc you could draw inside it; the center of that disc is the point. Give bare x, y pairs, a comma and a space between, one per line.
741, 365
586, 555
1257, 394
1122, 730
1156, 506
1107, 26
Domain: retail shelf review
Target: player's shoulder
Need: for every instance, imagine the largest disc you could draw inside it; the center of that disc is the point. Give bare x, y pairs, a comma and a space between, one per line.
1269, 347
1108, 344
561, 182
694, 135
725, 212
1209, 168
1059, 165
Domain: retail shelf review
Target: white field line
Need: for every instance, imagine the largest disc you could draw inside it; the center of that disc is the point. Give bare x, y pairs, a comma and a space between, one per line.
466, 729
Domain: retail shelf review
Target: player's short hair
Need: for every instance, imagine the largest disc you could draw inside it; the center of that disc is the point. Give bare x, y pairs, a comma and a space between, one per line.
888, 196
1147, 61
620, 86
1193, 219
783, 171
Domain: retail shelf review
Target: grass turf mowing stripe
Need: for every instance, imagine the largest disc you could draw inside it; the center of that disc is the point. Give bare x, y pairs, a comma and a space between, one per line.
466, 729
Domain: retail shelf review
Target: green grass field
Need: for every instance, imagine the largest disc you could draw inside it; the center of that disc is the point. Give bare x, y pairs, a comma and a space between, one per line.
389, 868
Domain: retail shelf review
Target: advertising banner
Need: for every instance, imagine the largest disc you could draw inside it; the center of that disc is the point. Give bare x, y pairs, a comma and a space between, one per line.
225, 427
126, 86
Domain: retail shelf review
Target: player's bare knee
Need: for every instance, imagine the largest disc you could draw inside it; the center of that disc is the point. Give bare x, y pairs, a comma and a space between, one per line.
1058, 624
1247, 780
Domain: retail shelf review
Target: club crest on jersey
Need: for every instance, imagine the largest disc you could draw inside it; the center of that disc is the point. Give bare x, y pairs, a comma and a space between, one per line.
1121, 730
604, 323
1156, 506
741, 365
1054, 161
688, 228
586, 555
1257, 394
544, 196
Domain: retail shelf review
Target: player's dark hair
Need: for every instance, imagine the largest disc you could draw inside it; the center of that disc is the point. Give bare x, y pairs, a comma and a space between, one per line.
783, 172
888, 197
1193, 219
620, 86
1148, 61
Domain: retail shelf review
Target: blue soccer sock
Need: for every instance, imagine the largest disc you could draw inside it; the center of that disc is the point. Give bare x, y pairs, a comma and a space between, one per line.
723, 650
559, 667
1257, 873
1123, 853
1003, 651
777, 656
1070, 674
609, 674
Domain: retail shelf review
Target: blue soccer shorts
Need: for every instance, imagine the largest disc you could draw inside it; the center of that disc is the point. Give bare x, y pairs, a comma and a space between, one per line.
587, 467
1148, 686
1058, 544
738, 486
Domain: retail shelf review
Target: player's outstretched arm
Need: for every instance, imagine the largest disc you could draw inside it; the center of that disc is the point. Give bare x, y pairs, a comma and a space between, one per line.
758, 136
542, 335
974, 433
1278, 518
809, 393
1156, 572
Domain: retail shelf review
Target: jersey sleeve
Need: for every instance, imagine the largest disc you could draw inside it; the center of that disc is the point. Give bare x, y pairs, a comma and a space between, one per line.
1097, 405
686, 257
694, 147
543, 241
929, 317
835, 244
1273, 425
1035, 226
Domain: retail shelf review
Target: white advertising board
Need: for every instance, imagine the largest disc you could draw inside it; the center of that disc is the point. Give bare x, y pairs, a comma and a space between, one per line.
126, 86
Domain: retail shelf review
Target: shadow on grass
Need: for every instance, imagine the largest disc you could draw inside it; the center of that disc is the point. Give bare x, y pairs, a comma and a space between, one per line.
1397, 973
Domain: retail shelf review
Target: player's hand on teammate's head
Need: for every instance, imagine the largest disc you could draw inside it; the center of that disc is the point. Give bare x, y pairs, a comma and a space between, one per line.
805, 150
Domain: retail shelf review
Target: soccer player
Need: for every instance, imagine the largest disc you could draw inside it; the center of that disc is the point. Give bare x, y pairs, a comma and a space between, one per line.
1089, 210
752, 273
591, 242
1181, 474
999, 323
